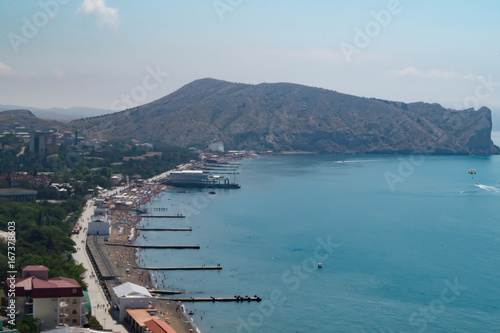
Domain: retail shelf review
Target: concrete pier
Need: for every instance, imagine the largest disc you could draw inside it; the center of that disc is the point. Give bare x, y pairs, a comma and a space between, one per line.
165, 229
213, 299
192, 268
165, 216
156, 246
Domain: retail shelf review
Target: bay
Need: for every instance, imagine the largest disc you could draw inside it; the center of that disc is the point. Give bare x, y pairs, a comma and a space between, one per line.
407, 243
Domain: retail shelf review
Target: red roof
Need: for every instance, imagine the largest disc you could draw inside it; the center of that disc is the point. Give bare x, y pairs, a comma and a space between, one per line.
53, 288
158, 326
63, 282
35, 268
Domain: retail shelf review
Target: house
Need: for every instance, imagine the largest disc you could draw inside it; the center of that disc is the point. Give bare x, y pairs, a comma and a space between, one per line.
131, 296
55, 302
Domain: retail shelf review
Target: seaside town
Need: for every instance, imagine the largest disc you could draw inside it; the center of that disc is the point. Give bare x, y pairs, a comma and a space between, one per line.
117, 294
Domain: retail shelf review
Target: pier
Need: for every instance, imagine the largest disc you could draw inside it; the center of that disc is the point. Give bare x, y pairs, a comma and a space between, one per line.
166, 292
178, 216
165, 229
189, 268
156, 246
213, 299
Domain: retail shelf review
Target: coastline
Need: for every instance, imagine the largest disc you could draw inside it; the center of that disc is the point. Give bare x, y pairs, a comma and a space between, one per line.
127, 260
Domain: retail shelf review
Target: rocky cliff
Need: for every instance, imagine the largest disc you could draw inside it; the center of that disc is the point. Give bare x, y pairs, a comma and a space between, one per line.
284, 116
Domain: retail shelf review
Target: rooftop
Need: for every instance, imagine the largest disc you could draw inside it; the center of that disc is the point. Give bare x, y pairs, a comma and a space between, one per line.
159, 326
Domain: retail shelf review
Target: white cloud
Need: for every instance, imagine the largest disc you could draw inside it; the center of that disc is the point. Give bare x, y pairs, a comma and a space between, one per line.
106, 15
433, 74
6, 70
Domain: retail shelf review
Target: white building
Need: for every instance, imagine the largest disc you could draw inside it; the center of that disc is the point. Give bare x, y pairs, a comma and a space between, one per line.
132, 296
55, 302
216, 145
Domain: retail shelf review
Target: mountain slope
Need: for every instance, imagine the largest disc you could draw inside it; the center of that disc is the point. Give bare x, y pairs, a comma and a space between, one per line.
284, 116
27, 119
59, 114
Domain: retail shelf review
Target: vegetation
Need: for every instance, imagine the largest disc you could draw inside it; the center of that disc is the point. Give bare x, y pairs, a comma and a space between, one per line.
93, 323
42, 237
44, 229
28, 325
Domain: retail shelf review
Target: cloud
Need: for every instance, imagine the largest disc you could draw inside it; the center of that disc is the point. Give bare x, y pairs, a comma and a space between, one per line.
6, 70
433, 74
106, 15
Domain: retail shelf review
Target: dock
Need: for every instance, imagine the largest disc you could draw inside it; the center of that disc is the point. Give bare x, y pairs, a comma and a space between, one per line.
165, 229
178, 216
189, 268
166, 292
156, 246
213, 299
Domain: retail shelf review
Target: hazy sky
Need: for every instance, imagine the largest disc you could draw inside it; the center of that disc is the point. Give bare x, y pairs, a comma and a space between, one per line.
114, 53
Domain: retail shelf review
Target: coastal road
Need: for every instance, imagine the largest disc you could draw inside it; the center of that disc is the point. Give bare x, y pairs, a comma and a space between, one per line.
94, 290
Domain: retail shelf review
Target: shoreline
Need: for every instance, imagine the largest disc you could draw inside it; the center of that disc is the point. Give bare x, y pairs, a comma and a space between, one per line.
123, 230
121, 220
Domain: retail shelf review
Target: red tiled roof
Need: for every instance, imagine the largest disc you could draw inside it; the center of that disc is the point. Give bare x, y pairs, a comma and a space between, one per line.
158, 326
56, 287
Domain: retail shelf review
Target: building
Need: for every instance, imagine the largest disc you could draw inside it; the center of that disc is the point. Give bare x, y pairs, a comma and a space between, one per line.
55, 302
18, 194
131, 296
216, 145
158, 326
42, 142
99, 225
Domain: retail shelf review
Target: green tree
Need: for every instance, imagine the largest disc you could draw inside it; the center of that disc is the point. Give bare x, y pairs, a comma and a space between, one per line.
28, 325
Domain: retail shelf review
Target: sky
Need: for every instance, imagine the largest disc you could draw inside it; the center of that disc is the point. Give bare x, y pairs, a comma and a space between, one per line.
116, 54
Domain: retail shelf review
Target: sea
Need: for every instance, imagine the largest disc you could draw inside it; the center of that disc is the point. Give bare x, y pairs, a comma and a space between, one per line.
406, 243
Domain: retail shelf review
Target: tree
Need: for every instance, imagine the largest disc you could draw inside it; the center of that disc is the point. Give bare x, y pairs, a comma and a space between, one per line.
28, 325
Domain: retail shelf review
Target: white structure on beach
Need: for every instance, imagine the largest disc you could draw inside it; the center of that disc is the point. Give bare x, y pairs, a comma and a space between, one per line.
132, 296
99, 226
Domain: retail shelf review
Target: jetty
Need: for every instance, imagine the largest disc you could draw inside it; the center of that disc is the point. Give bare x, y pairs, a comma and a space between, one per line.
213, 299
165, 229
166, 292
156, 246
188, 268
178, 216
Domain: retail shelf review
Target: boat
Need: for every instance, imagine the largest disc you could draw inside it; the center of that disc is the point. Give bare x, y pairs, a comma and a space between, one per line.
197, 179
212, 192
320, 265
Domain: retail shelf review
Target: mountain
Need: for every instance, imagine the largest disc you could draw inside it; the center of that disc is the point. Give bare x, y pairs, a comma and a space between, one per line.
285, 116
64, 115
27, 119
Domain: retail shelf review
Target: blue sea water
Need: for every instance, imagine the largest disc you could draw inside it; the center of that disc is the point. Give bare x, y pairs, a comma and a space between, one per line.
408, 244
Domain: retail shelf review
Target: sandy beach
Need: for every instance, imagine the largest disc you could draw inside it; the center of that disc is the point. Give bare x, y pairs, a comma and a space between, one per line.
125, 259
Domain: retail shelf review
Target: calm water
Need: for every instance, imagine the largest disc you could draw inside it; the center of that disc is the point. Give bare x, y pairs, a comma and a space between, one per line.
417, 253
